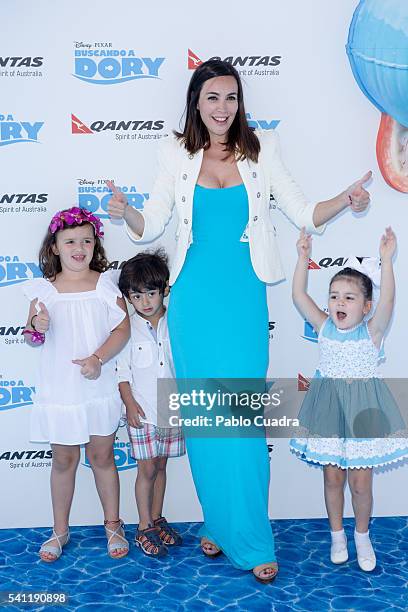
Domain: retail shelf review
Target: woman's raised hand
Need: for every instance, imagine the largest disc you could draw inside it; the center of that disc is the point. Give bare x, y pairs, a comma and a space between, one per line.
304, 244
118, 202
359, 197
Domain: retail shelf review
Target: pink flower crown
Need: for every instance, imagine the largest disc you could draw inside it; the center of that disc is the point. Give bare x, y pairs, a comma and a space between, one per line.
75, 216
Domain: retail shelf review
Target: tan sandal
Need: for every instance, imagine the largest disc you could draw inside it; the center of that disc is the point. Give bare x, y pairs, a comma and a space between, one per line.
47, 547
119, 532
264, 567
206, 542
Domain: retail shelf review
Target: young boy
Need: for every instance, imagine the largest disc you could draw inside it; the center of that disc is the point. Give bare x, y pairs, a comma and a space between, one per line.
147, 357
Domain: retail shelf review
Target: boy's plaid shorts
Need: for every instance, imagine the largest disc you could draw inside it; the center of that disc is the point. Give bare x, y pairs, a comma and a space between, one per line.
151, 441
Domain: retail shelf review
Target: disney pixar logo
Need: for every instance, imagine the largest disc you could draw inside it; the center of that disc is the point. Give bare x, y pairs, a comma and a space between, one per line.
94, 195
13, 132
13, 271
101, 64
263, 124
15, 394
123, 458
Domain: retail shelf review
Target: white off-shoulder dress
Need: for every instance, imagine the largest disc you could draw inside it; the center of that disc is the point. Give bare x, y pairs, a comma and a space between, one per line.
69, 408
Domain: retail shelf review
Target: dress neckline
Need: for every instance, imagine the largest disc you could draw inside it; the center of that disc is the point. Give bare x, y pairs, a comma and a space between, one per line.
349, 329
219, 188
75, 292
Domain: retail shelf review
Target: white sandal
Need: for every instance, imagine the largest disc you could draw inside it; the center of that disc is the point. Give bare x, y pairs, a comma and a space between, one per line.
119, 532
54, 550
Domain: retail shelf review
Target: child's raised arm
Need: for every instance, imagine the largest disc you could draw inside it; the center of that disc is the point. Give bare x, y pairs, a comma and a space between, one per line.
303, 302
383, 312
36, 322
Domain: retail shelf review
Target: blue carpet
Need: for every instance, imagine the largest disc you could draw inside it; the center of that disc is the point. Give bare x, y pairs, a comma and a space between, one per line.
187, 581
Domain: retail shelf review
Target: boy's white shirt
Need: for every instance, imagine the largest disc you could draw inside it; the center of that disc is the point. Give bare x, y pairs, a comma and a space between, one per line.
143, 360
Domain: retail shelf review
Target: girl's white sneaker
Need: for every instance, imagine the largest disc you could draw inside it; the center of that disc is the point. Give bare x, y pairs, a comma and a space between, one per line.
338, 550
365, 552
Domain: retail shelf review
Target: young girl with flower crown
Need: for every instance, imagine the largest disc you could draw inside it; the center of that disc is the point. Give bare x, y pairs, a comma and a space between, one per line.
347, 401
79, 319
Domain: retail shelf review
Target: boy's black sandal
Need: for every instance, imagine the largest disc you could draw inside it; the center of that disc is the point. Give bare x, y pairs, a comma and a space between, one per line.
149, 542
167, 533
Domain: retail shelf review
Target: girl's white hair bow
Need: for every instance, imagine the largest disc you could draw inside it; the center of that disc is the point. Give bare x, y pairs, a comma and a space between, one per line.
370, 266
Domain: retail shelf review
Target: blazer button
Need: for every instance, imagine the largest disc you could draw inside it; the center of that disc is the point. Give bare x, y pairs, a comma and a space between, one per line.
159, 343
184, 177
191, 156
161, 363
186, 221
254, 175
183, 199
255, 218
258, 195
140, 348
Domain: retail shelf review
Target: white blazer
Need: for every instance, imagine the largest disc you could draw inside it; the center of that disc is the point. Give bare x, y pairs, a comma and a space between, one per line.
177, 177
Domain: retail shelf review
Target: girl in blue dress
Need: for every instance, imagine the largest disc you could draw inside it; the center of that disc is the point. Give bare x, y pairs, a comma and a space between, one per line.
346, 395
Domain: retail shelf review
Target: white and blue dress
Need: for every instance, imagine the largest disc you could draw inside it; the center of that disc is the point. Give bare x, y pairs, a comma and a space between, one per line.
347, 402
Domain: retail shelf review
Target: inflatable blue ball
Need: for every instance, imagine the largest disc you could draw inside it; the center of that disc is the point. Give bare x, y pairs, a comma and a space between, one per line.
378, 52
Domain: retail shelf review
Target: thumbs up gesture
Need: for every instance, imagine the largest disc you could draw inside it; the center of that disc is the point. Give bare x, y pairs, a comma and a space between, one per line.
118, 202
358, 197
42, 319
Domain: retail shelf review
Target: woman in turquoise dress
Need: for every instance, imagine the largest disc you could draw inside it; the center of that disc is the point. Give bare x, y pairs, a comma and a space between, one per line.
220, 175
231, 474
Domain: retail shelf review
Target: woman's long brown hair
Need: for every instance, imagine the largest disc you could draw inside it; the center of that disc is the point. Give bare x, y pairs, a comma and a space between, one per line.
241, 140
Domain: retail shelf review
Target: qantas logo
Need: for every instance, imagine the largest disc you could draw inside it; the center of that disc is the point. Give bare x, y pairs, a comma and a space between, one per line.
313, 265
78, 127
193, 61
303, 383
329, 262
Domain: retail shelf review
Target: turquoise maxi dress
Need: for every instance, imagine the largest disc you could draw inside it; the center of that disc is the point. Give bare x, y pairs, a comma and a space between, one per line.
218, 323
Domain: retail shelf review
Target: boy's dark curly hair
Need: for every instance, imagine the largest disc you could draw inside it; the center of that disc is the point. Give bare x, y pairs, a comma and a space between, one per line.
147, 270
